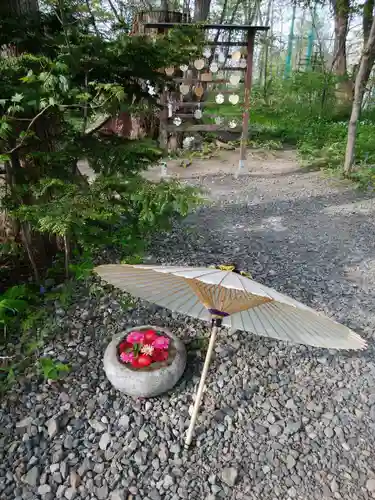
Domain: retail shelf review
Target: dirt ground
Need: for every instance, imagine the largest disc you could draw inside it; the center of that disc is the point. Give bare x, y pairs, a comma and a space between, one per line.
259, 163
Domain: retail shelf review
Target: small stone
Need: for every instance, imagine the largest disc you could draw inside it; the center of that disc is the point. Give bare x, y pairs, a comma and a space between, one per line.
32, 477
290, 462
292, 427
138, 457
104, 441
60, 491
52, 427
154, 494
370, 485
84, 467
334, 486
117, 495
142, 436
68, 442
168, 481
102, 492
124, 421
163, 455
64, 469
272, 361
70, 493
97, 426
275, 430
291, 404
175, 448
54, 468
44, 489
56, 478
24, 423
75, 480
328, 432
229, 476
271, 418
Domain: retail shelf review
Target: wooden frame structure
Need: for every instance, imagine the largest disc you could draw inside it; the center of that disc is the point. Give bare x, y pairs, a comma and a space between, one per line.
250, 31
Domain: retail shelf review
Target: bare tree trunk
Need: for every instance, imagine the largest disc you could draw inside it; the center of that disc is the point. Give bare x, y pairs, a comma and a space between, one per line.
341, 14
339, 64
201, 10
365, 66
368, 13
19, 7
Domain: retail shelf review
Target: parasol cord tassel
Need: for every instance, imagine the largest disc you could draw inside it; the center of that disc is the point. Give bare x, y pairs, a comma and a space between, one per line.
216, 324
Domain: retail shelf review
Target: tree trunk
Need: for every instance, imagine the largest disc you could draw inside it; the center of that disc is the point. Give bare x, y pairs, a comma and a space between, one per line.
341, 19
201, 10
341, 10
368, 13
19, 7
365, 67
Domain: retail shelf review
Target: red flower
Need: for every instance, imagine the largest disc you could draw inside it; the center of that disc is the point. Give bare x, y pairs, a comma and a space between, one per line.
124, 346
135, 363
150, 336
144, 360
159, 355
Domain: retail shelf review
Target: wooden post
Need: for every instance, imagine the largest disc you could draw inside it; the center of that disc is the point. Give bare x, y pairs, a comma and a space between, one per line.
246, 112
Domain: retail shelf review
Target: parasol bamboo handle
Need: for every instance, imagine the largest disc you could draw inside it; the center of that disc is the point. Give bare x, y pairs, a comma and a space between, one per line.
189, 435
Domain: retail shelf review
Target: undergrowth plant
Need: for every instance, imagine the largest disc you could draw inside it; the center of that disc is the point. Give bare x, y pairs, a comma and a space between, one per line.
302, 111
60, 80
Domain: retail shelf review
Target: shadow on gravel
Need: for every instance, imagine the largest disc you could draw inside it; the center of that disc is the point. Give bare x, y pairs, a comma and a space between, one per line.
301, 247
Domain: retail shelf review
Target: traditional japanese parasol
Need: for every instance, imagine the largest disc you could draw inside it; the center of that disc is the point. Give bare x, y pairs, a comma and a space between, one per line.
229, 298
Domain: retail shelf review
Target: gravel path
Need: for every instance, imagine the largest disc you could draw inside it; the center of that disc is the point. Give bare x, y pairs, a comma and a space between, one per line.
278, 421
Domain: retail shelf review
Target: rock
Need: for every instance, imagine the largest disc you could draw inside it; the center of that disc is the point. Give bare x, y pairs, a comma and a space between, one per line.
52, 427
124, 421
168, 481
229, 476
275, 430
154, 495
24, 423
32, 476
84, 467
328, 432
70, 493
142, 436
138, 457
60, 491
118, 495
290, 462
292, 427
104, 441
272, 361
163, 455
99, 427
102, 492
68, 442
370, 485
44, 489
75, 479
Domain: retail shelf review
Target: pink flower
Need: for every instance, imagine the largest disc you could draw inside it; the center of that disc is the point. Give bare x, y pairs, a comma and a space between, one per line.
161, 343
135, 337
127, 357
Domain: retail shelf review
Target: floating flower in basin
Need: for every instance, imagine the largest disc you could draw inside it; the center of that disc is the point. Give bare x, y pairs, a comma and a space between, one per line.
161, 343
143, 348
135, 337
